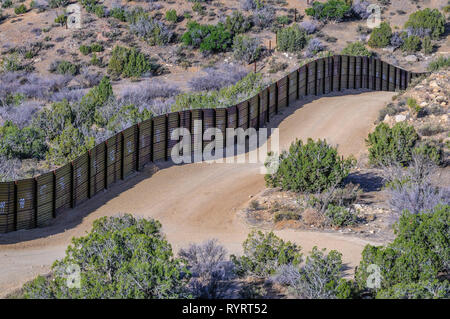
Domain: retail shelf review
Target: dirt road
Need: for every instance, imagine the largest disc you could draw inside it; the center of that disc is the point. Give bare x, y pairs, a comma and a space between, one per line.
192, 210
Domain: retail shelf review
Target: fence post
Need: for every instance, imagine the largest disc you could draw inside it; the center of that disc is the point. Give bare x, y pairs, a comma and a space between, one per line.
72, 180
89, 174
54, 196
340, 74
297, 94
35, 202
268, 105
288, 82
315, 77
15, 205
258, 111
306, 78
166, 141
106, 164
138, 139
276, 98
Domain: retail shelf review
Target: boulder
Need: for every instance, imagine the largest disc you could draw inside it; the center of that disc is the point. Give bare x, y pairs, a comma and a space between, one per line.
400, 118
411, 58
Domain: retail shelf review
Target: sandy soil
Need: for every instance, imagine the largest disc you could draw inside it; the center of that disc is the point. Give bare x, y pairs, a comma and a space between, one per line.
189, 206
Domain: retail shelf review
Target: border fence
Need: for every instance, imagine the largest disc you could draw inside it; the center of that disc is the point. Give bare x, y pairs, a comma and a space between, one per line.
33, 202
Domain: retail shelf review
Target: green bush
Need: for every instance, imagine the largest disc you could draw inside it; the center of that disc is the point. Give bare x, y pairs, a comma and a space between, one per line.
237, 23
356, 49
387, 145
61, 19
22, 143
20, 9
427, 19
171, 16
121, 257
52, 119
85, 49
209, 38
420, 290
340, 216
381, 36
427, 45
67, 146
64, 67
411, 44
264, 253
7, 4
311, 167
248, 86
418, 254
96, 47
246, 48
439, 63
118, 13
292, 39
332, 10
128, 62
430, 150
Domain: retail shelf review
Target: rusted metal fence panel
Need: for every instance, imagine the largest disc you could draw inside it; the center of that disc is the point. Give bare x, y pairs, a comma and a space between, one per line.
328, 74
254, 111
385, 76
159, 137
221, 123
243, 110
336, 73
303, 85
173, 123
312, 70
358, 72
344, 72
145, 143
113, 159
98, 165
208, 123
351, 72
293, 87
26, 217
129, 155
263, 107
378, 78
63, 177
80, 179
283, 91
391, 78
320, 76
7, 223
197, 135
44, 203
272, 100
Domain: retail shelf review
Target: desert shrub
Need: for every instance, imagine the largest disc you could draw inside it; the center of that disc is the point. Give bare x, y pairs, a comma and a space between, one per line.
218, 77
356, 49
61, 19
285, 215
421, 290
311, 167
332, 10
431, 150
128, 62
391, 109
125, 117
396, 40
96, 47
20, 9
21, 143
419, 253
7, 4
263, 17
439, 63
64, 67
153, 31
427, 45
411, 44
381, 36
264, 253
427, 19
211, 272
209, 38
121, 257
118, 13
52, 120
93, 6
321, 277
67, 146
314, 46
252, 4
227, 96
309, 26
387, 145
57, 3
246, 48
291, 39
237, 23
359, 9
340, 216
9, 169
171, 15
85, 49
